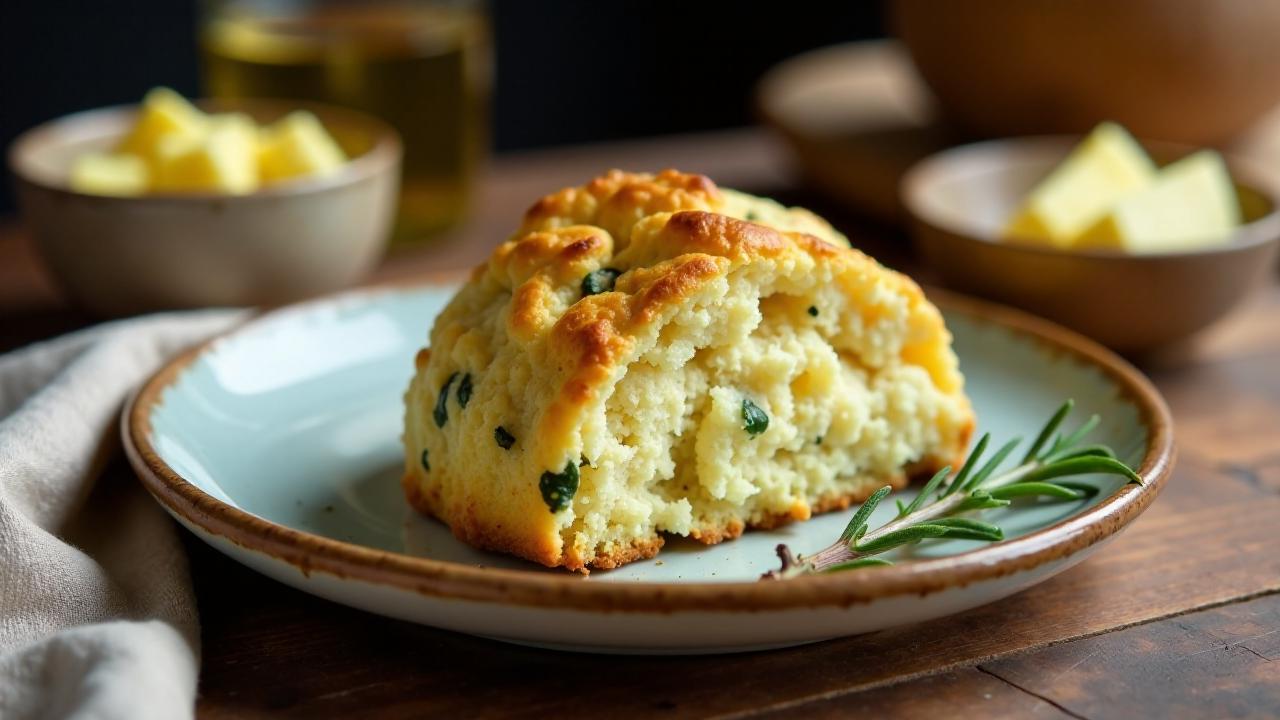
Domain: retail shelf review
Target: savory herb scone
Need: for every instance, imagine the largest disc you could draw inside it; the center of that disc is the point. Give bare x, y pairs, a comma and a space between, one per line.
650, 354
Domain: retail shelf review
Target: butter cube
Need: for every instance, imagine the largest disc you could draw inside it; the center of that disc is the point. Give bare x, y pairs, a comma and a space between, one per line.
224, 160
297, 146
1106, 166
1191, 204
109, 174
235, 122
164, 113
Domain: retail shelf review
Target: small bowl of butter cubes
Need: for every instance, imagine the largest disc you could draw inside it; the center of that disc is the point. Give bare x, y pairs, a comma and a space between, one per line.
1138, 245
173, 204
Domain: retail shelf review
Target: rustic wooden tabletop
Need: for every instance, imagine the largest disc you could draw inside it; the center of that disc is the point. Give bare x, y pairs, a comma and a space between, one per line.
1179, 617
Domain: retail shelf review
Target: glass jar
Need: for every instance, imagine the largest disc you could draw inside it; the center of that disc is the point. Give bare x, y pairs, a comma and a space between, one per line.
422, 65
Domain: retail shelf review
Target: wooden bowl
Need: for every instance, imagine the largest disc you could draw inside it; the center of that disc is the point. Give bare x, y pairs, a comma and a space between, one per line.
125, 255
960, 199
1179, 70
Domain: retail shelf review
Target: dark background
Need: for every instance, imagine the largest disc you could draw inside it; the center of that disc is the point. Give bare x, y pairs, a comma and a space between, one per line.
567, 70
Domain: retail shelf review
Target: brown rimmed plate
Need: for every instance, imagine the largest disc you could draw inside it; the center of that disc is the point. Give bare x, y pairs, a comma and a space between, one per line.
278, 444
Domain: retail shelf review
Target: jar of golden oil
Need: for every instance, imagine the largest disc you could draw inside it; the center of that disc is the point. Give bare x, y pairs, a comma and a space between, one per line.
422, 65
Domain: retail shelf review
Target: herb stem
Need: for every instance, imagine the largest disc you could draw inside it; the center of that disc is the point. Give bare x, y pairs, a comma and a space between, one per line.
839, 553
966, 492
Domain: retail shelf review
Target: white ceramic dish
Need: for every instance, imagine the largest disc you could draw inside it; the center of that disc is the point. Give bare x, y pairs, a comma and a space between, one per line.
278, 444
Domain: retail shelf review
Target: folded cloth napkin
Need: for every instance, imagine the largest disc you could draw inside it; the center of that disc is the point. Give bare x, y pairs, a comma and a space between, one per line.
97, 614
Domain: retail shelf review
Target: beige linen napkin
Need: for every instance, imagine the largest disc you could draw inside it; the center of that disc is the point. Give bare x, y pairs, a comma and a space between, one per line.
97, 615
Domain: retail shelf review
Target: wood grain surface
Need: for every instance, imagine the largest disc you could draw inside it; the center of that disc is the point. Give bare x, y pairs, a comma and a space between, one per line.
1177, 617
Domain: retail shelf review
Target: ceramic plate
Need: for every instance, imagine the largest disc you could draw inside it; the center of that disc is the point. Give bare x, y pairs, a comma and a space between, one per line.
278, 444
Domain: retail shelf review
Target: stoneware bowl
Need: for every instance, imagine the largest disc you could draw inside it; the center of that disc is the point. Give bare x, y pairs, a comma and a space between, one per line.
960, 199
124, 255
279, 445
1185, 70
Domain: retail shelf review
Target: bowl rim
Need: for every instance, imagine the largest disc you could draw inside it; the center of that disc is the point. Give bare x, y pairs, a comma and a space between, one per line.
922, 176
312, 553
385, 151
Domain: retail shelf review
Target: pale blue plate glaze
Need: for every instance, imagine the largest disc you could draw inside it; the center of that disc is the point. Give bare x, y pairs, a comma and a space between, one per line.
296, 419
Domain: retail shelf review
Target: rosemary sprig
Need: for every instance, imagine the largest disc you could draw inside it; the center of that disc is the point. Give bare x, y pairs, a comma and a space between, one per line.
933, 513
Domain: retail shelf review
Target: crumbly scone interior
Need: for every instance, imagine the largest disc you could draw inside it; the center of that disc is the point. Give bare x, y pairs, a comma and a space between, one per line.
844, 411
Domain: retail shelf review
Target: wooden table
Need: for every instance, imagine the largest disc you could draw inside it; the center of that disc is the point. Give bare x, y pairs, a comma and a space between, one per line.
1177, 618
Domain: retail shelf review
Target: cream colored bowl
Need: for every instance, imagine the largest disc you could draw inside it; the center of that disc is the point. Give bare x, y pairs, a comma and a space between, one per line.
125, 255
960, 199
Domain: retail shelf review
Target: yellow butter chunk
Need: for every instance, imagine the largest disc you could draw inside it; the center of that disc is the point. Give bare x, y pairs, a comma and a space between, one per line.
224, 160
235, 122
164, 113
174, 147
109, 174
1191, 204
297, 146
1106, 166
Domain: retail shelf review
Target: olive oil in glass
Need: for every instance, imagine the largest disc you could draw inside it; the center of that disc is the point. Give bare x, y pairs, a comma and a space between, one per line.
423, 66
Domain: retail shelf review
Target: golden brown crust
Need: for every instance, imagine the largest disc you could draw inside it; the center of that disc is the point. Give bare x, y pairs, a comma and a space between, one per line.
471, 528
414, 496
716, 535
604, 559
723, 236
798, 512
617, 556
617, 200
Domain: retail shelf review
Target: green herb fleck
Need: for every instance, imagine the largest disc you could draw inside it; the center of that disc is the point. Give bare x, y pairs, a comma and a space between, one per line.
504, 439
817, 440
599, 281
813, 311
752, 216
558, 489
441, 413
754, 419
425, 464
464, 390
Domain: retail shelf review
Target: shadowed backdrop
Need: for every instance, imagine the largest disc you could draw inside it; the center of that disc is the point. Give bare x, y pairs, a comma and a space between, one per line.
567, 71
